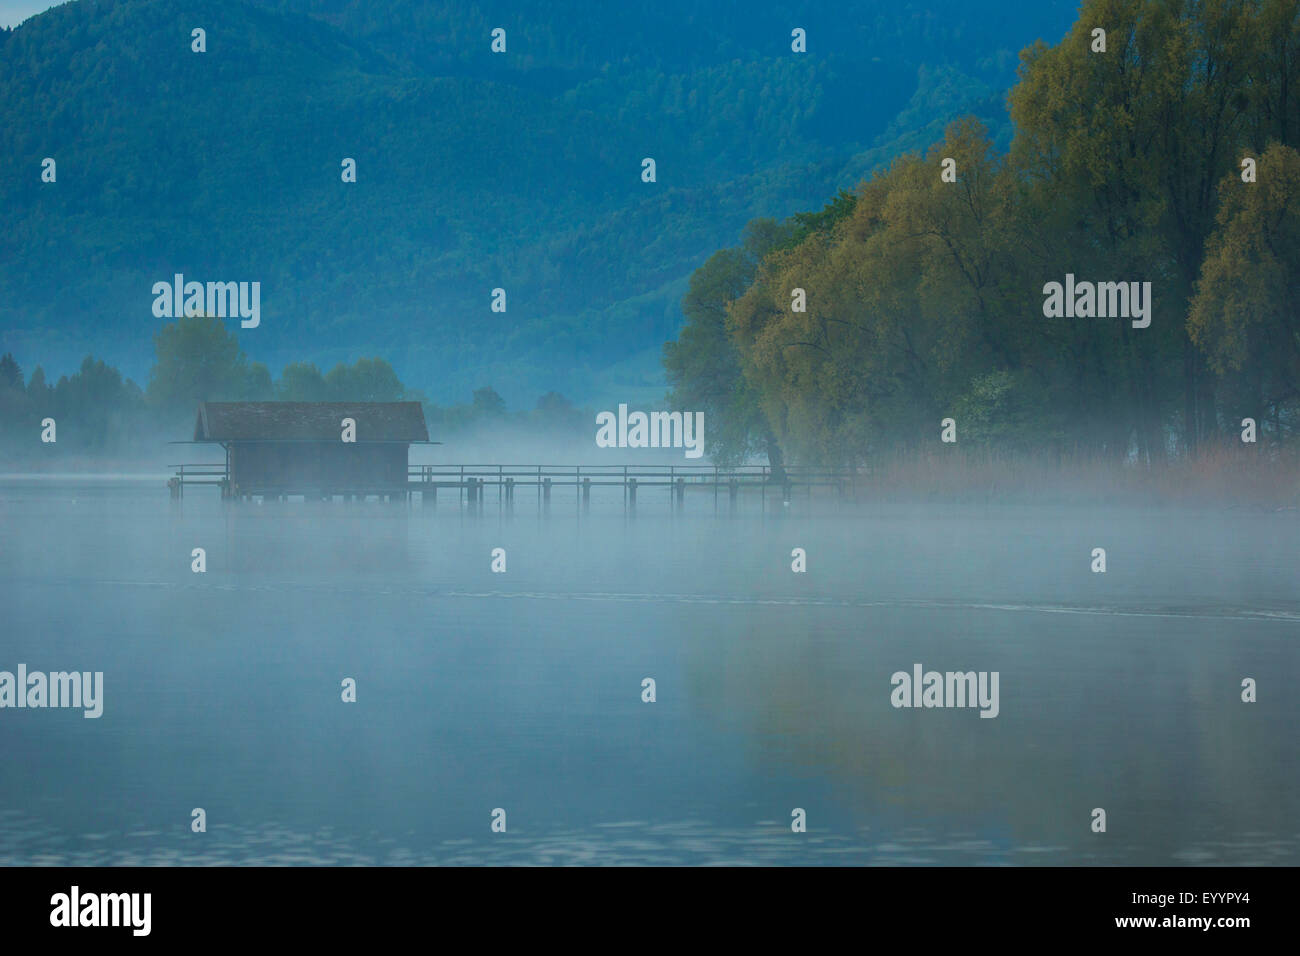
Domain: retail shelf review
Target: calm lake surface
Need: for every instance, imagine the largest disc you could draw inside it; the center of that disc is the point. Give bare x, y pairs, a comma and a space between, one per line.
522, 690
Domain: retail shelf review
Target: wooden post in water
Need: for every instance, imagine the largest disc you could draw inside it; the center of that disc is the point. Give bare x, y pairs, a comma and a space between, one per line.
680, 491
631, 494
586, 494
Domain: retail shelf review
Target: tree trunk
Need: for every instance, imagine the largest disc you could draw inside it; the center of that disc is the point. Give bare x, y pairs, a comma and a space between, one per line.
1191, 420
775, 460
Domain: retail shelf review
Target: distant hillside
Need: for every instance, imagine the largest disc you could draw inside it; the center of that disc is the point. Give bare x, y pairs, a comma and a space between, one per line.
475, 170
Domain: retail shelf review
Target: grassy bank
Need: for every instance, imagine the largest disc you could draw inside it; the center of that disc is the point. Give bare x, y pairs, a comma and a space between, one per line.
1223, 474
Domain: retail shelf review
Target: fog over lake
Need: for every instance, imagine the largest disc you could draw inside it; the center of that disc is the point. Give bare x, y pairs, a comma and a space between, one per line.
523, 690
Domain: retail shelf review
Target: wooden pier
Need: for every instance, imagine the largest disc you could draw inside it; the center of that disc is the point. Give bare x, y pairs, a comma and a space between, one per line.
475, 485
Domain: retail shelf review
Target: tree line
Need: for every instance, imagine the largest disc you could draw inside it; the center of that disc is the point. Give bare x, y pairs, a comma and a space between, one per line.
1165, 153
98, 411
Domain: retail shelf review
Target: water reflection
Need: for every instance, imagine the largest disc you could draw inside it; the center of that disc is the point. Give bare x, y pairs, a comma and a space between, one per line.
522, 690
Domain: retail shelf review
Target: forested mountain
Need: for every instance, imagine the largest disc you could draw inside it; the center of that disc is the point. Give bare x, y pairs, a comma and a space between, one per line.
475, 170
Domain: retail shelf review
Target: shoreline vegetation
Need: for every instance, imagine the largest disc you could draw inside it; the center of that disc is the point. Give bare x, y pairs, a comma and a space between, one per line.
1219, 476
1155, 157
101, 418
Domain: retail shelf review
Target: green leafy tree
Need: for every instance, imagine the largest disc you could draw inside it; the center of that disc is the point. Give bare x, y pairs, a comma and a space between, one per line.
95, 407
367, 380
1244, 314
1121, 150
703, 365
197, 359
908, 301
302, 382
488, 404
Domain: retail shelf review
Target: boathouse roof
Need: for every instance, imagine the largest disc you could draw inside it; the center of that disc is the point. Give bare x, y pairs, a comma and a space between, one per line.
309, 421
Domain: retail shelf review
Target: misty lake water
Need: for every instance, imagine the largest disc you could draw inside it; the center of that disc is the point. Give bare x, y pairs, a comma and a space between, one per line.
523, 690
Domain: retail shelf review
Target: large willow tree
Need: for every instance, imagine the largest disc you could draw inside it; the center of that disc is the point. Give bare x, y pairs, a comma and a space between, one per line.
925, 299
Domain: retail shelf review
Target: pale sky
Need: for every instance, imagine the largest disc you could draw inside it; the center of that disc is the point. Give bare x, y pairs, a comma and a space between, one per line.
14, 12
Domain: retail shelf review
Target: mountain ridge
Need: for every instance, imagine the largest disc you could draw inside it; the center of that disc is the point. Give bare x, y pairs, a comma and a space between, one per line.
225, 166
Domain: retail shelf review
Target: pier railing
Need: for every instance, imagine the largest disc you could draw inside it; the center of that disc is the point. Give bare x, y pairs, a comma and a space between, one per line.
197, 474
474, 481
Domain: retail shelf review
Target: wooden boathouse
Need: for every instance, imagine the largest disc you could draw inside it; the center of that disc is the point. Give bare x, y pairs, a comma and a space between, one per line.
275, 449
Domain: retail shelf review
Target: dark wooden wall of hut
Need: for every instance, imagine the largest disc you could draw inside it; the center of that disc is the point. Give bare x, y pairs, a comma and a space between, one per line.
334, 466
